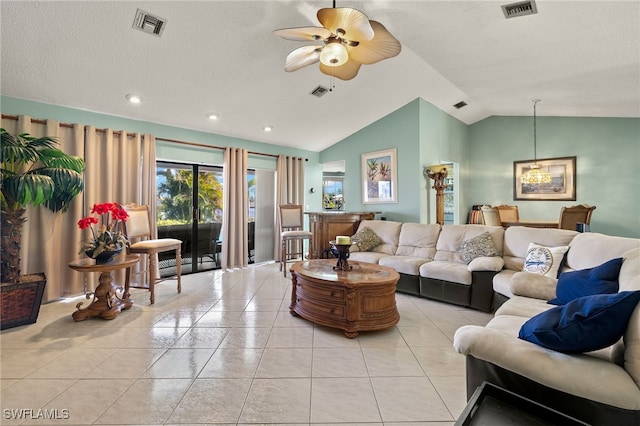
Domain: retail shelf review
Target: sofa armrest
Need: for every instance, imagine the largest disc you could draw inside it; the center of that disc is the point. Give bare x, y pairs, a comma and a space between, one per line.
533, 285
576, 374
484, 263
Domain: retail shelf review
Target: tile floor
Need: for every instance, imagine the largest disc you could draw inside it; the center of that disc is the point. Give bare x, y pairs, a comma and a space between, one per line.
227, 351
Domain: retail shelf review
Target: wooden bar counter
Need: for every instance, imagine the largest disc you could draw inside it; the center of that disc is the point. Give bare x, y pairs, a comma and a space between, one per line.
327, 225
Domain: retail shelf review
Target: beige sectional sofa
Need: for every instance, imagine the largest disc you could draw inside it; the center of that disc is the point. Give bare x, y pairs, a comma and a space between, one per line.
597, 387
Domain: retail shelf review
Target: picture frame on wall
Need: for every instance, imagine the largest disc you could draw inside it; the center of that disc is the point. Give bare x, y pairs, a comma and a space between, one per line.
563, 180
380, 177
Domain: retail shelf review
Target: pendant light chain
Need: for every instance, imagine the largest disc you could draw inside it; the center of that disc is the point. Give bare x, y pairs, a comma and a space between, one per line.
535, 138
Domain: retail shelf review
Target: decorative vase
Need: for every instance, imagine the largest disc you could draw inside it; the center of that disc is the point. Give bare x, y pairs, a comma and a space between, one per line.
105, 256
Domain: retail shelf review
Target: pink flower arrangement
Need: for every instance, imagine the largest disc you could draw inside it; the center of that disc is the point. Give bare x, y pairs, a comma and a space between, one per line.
109, 237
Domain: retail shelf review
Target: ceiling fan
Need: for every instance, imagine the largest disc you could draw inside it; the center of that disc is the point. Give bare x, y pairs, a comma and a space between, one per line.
350, 40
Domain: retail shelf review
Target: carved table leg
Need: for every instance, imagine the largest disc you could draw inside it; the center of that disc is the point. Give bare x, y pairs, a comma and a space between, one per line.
105, 304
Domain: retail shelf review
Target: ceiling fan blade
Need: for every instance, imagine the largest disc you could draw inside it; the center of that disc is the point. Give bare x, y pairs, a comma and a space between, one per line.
301, 57
344, 72
382, 46
303, 33
354, 23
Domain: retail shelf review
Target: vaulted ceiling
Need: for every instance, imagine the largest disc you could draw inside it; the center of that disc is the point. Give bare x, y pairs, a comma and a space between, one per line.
582, 58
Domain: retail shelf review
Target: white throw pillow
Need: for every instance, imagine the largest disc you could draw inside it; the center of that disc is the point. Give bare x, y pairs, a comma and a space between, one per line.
544, 260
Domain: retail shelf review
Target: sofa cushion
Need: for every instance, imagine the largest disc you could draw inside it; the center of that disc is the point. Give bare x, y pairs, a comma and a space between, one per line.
517, 239
452, 236
366, 239
454, 272
589, 249
480, 245
387, 230
544, 260
409, 265
629, 280
418, 240
585, 324
535, 286
367, 256
586, 282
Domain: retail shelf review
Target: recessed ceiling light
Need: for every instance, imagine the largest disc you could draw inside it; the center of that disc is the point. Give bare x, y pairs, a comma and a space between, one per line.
212, 115
134, 99
267, 128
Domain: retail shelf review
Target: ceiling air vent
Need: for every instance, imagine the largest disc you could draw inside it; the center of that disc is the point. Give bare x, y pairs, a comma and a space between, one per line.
521, 8
148, 23
460, 104
319, 91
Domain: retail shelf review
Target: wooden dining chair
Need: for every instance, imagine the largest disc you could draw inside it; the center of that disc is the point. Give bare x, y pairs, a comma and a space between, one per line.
508, 213
490, 216
292, 233
571, 216
138, 230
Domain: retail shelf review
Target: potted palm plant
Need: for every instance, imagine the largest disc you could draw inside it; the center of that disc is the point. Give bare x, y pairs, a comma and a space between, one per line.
34, 172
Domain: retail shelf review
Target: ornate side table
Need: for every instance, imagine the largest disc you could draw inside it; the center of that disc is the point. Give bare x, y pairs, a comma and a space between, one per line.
106, 303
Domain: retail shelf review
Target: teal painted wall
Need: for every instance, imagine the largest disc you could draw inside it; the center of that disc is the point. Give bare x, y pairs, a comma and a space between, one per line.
423, 135
400, 130
171, 151
607, 176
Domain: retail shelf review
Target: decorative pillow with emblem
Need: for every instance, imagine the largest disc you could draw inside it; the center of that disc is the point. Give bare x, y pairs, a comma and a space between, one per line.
365, 239
480, 245
544, 260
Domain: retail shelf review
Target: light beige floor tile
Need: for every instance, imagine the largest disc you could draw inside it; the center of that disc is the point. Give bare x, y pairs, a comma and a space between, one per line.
264, 304
292, 337
391, 361
424, 336
29, 394
179, 363
343, 399
86, 400
218, 319
5, 383
19, 363
228, 304
338, 362
381, 338
74, 364
115, 336
257, 319
409, 399
452, 390
157, 337
126, 363
232, 363
285, 362
278, 401
212, 401
285, 319
443, 361
179, 319
332, 337
202, 338
246, 337
147, 401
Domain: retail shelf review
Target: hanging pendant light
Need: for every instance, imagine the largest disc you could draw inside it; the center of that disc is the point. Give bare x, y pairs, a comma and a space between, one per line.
535, 175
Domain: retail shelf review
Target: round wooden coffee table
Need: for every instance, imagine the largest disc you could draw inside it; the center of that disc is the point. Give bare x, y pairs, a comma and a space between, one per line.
360, 299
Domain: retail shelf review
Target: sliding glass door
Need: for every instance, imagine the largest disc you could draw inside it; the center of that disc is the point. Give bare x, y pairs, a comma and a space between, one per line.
190, 210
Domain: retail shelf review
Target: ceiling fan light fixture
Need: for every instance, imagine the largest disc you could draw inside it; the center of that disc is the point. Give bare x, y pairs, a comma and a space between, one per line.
334, 54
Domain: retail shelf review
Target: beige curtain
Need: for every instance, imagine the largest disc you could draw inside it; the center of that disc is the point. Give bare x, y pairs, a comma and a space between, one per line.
120, 167
235, 228
51, 240
289, 190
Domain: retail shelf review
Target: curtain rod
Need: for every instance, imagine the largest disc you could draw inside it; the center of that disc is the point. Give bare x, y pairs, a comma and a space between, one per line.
201, 145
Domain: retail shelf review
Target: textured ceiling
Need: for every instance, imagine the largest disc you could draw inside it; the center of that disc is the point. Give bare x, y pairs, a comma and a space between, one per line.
580, 58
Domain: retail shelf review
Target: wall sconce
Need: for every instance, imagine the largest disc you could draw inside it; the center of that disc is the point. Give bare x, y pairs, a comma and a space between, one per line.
438, 173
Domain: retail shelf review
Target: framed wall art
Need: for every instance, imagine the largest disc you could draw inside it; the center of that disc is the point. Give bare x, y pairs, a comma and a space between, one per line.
563, 180
380, 177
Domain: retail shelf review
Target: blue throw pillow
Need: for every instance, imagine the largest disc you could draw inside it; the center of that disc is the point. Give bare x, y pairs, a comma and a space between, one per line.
602, 279
585, 324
